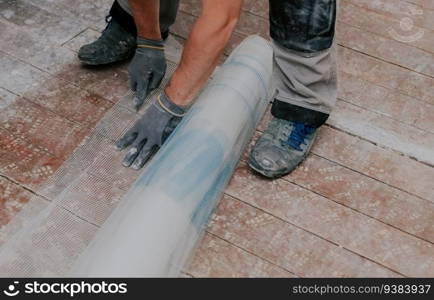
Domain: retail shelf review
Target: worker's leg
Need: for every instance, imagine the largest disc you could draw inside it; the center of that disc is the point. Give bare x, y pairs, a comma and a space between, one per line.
305, 79
306, 85
168, 11
118, 40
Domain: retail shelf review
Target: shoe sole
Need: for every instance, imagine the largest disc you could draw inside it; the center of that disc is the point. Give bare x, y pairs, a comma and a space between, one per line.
95, 62
276, 174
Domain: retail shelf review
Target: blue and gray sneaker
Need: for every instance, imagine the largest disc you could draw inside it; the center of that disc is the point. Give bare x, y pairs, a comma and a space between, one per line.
281, 148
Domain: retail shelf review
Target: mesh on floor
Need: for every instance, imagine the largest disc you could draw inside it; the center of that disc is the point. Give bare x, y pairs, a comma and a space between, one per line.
46, 237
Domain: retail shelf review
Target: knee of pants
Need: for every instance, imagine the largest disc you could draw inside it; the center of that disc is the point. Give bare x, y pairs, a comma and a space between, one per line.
303, 25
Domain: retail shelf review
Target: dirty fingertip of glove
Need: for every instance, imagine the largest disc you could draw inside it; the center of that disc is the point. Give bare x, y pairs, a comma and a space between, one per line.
119, 145
130, 157
138, 163
145, 155
116, 147
124, 142
137, 103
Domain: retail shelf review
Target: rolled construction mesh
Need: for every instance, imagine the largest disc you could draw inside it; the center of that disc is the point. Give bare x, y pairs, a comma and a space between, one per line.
154, 229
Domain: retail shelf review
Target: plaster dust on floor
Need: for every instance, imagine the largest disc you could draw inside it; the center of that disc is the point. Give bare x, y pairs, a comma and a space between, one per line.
57, 223
91, 183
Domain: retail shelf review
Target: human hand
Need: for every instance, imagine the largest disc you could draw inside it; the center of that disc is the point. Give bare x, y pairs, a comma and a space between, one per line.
146, 69
150, 131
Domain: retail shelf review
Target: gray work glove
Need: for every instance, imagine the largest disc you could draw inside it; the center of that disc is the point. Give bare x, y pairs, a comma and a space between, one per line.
147, 69
150, 131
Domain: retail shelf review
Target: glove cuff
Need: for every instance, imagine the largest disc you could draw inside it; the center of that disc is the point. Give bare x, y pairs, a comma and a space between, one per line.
152, 44
176, 110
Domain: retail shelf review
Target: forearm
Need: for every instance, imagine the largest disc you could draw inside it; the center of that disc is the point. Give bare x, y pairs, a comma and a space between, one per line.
206, 43
146, 15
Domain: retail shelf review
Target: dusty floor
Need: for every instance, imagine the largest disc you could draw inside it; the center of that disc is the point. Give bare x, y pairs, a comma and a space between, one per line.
362, 204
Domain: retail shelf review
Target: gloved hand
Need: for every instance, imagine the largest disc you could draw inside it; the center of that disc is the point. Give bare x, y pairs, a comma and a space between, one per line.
147, 69
150, 131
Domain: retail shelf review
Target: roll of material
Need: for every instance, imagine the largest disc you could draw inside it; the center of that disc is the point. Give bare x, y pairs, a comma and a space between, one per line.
155, 228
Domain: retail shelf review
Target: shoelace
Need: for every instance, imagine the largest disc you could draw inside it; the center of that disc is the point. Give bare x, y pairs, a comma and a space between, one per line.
298, 135
109, 37
108, 20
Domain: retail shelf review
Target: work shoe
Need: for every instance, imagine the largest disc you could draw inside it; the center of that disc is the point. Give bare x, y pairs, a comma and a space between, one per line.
115, 44
281, 148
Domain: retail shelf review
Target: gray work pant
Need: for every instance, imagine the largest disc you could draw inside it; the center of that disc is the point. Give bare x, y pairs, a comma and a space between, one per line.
305, 76
308, 80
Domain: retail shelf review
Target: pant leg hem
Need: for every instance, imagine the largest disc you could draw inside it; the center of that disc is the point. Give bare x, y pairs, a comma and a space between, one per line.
298, 114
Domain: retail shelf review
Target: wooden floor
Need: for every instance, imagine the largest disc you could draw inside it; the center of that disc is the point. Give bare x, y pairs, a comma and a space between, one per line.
361, 205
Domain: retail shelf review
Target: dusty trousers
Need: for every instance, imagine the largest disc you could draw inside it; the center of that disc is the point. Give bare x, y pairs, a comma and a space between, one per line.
304, 59
304, 54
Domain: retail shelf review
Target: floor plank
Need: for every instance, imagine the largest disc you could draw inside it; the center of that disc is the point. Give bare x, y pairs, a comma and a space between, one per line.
366, 195
382, 164
400, 9
290, 247
386, 26
361, 205
218, 258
